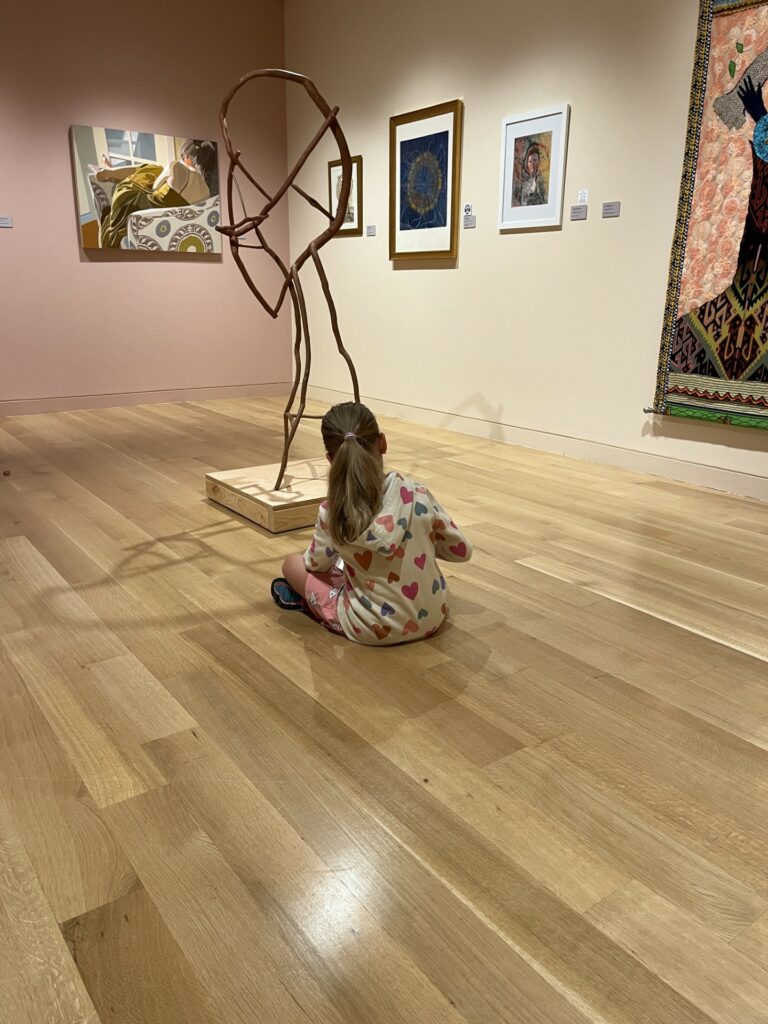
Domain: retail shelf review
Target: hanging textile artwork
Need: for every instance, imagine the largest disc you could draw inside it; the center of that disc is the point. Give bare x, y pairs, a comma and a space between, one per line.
714, 353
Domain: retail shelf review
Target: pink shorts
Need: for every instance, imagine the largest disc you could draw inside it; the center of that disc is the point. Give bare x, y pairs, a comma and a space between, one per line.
322, 591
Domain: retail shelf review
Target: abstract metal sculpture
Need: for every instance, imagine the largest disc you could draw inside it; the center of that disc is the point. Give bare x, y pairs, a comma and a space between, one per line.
239, 231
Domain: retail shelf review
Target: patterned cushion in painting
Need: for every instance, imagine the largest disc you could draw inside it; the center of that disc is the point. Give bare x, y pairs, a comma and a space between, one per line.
180, 229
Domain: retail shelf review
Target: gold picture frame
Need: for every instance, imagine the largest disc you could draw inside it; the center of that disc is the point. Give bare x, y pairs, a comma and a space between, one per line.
425, 182
354, 226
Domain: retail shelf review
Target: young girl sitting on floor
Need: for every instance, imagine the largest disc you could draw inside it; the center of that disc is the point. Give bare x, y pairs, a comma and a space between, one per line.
388, 530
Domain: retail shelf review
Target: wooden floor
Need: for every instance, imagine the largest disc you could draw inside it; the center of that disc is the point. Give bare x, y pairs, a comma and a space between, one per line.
555, 812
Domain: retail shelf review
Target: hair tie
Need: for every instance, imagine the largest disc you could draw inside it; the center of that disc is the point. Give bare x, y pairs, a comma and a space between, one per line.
350, 434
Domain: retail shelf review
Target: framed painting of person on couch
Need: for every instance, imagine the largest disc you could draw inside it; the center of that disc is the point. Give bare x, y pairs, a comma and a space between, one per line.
140, 191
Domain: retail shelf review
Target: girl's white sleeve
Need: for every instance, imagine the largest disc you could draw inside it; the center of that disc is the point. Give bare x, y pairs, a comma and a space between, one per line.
320, 555
450, 543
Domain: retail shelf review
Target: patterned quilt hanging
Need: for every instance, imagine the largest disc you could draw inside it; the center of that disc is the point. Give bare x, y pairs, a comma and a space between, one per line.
714, 352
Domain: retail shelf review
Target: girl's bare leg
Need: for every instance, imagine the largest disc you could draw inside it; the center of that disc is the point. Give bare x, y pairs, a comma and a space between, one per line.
295, 572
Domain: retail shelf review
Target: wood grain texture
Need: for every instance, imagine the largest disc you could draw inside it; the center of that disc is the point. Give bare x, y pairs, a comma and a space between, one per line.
249, 492
676, 947
553, 812
133, 968
38, 980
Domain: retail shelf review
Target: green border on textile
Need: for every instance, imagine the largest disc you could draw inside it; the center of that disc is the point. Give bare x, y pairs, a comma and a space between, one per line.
707, 10
688, 412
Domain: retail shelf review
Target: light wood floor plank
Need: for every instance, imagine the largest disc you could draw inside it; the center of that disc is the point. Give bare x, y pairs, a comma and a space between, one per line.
133, 968
38, 980
76, 859
645, 851
680, 950
346, 948
244, 964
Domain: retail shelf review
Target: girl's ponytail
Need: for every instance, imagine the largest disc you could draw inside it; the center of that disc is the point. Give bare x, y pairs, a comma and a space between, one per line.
355, 482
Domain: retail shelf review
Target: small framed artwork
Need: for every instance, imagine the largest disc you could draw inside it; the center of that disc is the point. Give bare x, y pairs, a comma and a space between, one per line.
532, 177
424, 183
353, 218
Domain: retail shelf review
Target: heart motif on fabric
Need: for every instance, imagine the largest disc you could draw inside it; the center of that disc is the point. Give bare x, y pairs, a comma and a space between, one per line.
313, 563
402, 522
365, 602
382, 632
423, 613
410, 590
459, 550
387, 522
383, 551
442, 582
435, 586
444, 609
330, 552
421, 510
406, 495
438, 524
395, 552
349, 571
407, 535
421, 561
370, 584
358, 631
370, 537
393, 578
387, 609
410, 627
364, 560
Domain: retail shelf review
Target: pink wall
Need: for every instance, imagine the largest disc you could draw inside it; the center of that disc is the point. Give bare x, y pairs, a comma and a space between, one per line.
79, 331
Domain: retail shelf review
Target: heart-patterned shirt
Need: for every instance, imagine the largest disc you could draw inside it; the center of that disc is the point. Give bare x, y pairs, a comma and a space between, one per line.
393, 589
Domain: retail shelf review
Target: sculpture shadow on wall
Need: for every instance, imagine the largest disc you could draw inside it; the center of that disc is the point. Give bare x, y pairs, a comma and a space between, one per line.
476, 407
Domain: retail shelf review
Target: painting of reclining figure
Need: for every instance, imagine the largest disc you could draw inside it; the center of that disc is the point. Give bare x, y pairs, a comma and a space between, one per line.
141, 191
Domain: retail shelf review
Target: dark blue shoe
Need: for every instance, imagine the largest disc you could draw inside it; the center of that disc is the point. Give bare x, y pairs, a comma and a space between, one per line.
285, 596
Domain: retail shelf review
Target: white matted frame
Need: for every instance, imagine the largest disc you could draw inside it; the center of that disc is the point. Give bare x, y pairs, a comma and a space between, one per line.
528, 142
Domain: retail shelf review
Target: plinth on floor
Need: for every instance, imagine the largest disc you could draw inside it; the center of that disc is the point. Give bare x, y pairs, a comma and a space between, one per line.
250, 492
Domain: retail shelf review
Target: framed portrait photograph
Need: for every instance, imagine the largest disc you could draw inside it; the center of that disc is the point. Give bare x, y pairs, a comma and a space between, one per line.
353, 218
532, 176
424, 183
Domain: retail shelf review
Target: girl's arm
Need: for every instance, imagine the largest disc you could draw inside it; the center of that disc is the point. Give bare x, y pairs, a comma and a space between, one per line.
450, 543
320, 555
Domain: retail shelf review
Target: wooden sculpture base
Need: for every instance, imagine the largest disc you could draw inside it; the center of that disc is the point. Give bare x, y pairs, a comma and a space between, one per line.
250, 493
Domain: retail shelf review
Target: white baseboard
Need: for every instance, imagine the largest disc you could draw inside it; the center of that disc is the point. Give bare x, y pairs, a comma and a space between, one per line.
24, 406
745, 484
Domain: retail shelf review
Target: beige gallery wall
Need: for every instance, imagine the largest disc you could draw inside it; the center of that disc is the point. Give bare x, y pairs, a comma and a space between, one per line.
548, 339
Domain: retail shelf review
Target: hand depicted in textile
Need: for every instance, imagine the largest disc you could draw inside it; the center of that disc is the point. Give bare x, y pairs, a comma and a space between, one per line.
752, 98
